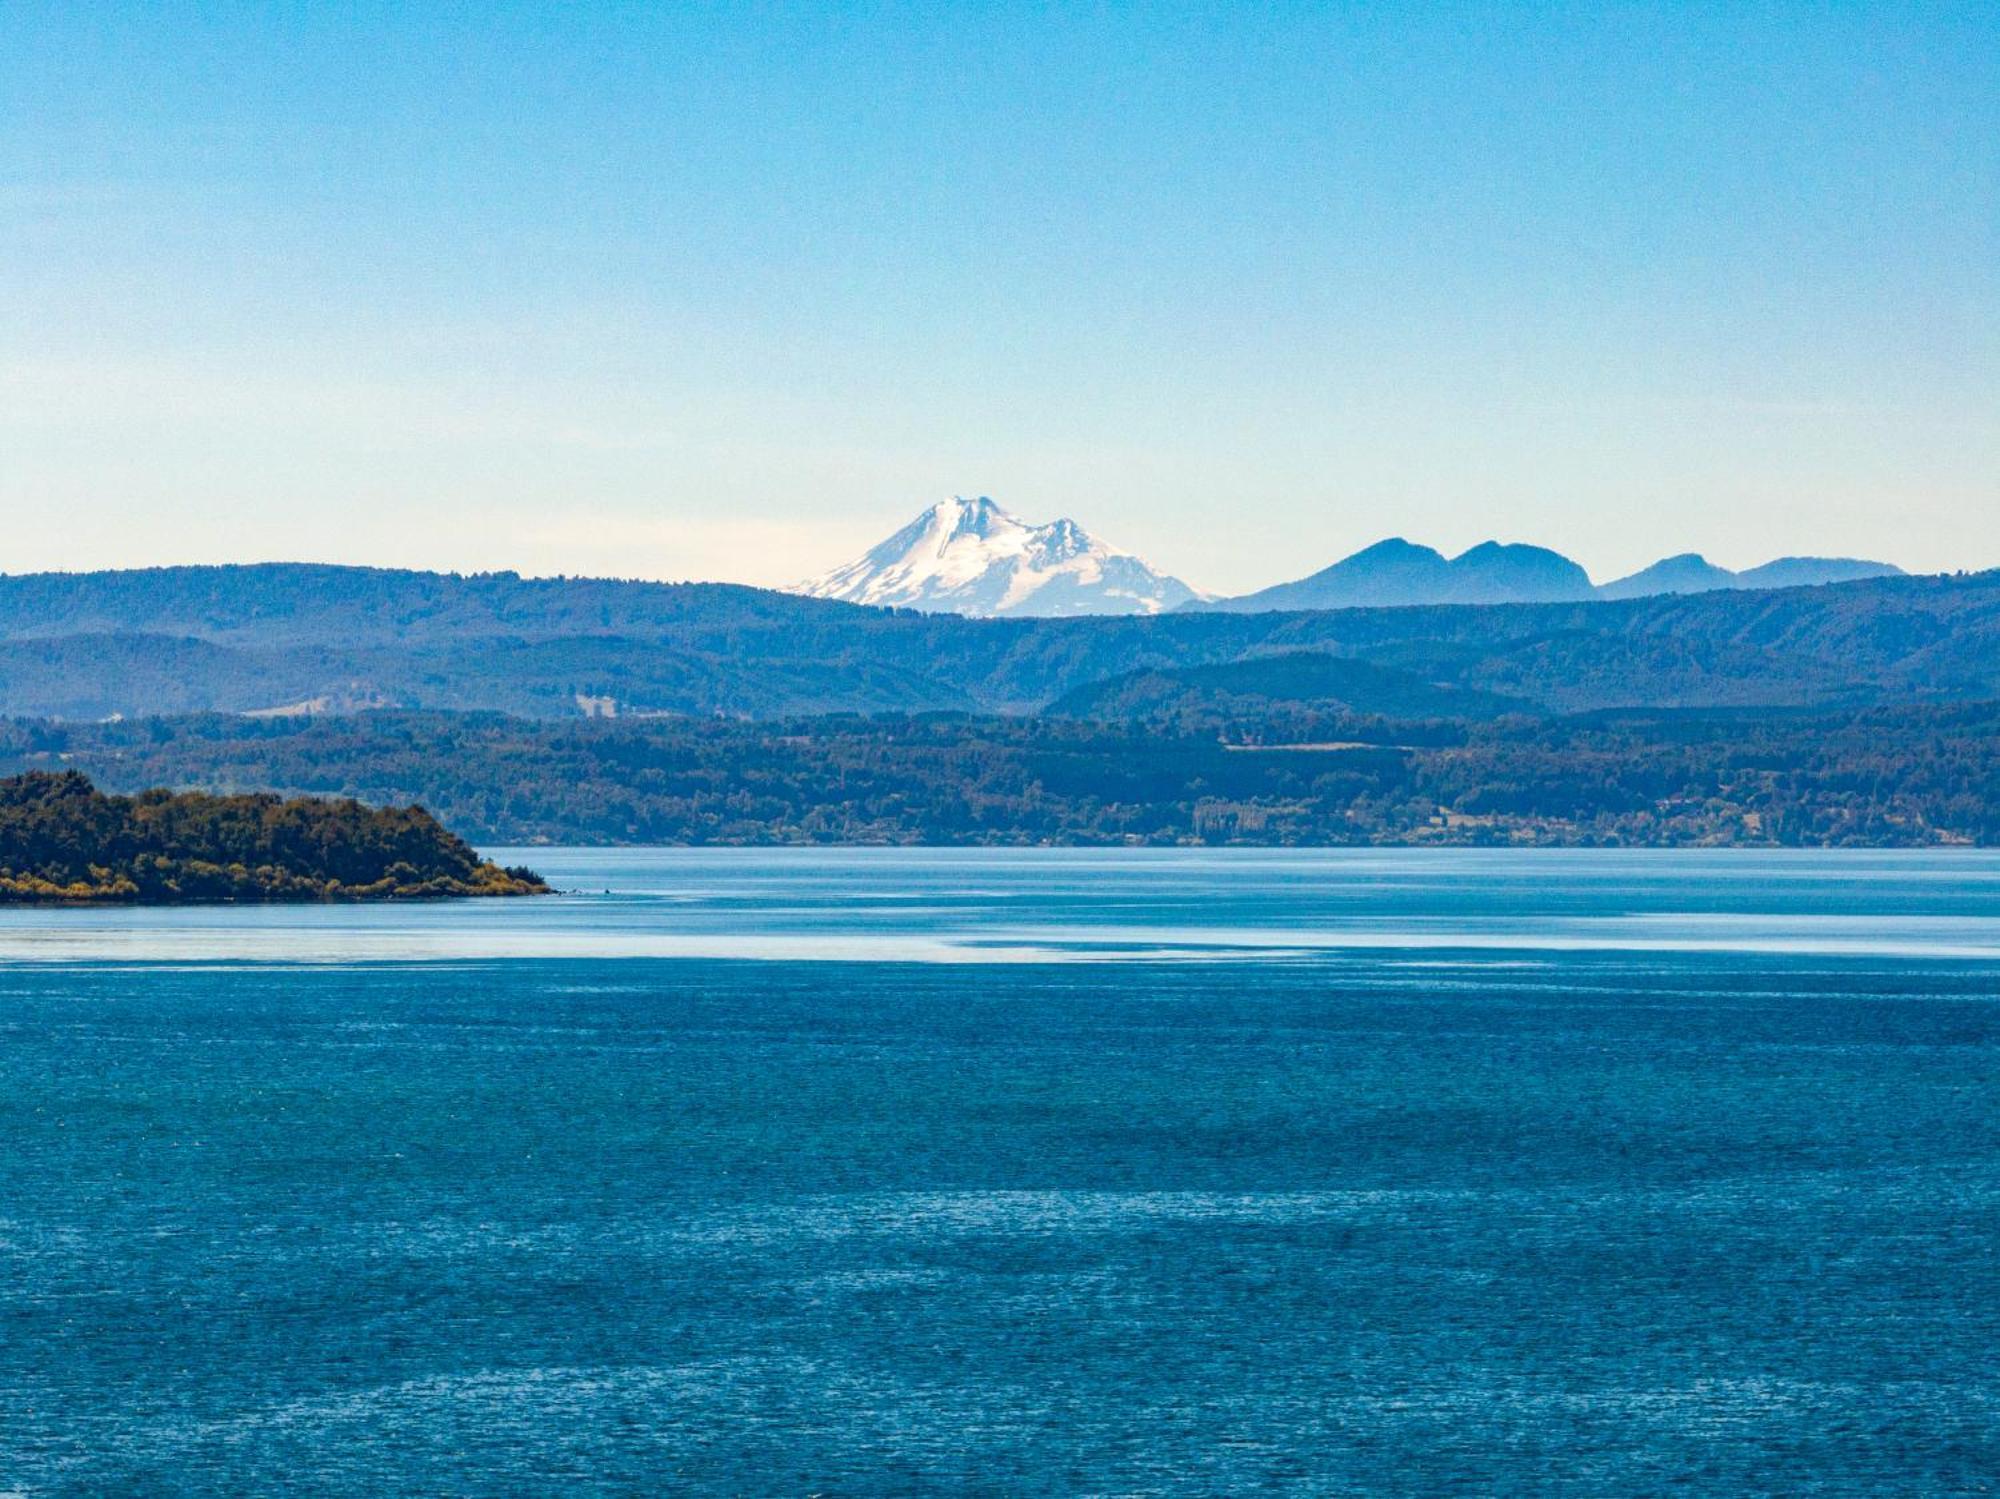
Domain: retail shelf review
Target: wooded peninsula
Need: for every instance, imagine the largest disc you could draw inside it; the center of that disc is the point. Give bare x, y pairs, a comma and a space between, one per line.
62, 841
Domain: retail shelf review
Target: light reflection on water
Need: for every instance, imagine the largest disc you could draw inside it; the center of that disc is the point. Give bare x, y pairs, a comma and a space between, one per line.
1042, 905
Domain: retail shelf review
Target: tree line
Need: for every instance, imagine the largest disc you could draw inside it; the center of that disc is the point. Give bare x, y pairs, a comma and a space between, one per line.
1871, 777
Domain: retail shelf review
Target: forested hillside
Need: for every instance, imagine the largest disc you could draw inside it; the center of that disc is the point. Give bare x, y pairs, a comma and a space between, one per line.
1874, 776
1292, 686
306, 639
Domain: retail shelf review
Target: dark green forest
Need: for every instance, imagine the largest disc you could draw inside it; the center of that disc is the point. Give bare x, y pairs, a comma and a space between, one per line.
1873, 776
63, 840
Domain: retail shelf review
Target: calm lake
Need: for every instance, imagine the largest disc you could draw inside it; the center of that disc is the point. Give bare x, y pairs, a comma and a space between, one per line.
1017, 1172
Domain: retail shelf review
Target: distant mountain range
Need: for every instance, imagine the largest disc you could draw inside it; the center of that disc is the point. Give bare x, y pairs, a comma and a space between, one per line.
971, 556
1398, 572
1691, 572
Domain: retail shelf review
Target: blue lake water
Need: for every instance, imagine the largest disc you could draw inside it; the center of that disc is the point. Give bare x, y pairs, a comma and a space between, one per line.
1017, 1172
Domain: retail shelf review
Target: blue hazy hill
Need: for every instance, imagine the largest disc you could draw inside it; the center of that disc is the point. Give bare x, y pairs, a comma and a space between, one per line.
1399, 572
297, 639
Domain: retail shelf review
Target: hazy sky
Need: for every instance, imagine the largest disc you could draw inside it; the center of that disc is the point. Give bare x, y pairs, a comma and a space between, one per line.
731, 291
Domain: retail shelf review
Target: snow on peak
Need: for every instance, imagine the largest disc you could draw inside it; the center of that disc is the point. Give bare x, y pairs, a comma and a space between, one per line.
972, 556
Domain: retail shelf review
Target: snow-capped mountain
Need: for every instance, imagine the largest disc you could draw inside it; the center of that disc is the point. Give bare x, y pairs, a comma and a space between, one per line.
966, 556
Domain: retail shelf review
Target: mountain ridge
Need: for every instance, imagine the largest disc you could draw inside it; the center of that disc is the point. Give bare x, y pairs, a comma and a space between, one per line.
302, 637
1397, 573
1690, 572
974, 557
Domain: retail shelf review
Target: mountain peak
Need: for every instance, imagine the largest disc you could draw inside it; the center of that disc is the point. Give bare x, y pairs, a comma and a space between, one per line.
979, 516
973, 556
1399, 572
1497, 572
1690, 572
1395, 548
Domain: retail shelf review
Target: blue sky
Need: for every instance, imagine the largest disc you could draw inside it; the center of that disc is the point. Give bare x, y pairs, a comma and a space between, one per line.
732, 291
